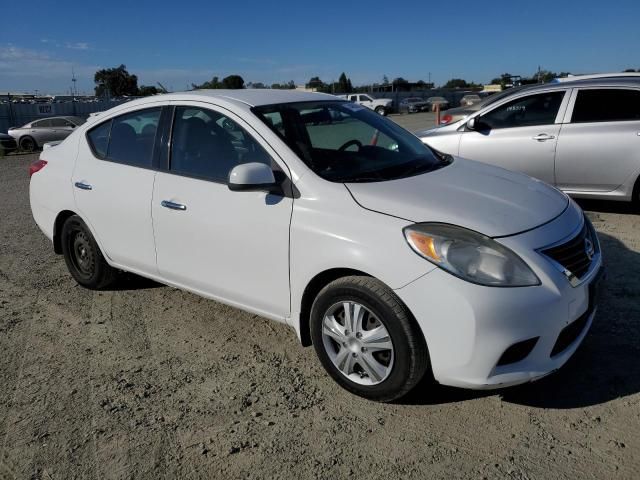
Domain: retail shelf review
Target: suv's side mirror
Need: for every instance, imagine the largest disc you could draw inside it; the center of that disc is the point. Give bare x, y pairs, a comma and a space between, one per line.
252, 176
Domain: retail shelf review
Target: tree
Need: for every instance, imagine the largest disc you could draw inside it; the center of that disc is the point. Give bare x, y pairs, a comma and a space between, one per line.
456, 83
290, 85
315, 83
148, 90
385, 80
213, 83
259, 85
233, 82
115, 82
343, 85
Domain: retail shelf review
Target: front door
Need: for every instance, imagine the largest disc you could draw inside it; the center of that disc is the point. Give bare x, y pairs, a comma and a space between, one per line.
233, 246
520, 135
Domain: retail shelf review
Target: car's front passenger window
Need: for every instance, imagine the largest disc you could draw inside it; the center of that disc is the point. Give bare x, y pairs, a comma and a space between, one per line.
207, 144
540, 109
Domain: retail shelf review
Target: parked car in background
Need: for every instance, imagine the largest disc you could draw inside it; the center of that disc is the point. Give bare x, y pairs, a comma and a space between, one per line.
413, 105
383, 106
441, 101
7, 144
581, 136
234, 194
35, 134
470, 99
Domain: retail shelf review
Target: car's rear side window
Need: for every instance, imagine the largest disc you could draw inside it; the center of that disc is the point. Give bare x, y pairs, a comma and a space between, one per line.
127, 139
606, 105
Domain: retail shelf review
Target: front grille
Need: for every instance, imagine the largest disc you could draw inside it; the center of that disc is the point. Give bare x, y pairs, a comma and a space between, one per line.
576, 255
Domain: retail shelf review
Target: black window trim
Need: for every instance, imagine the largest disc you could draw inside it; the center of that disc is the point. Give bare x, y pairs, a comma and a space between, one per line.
599, 87
105, 158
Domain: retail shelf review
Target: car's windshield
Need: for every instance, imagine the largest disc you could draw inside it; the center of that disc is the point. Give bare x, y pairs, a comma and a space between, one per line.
414, 100
346, 142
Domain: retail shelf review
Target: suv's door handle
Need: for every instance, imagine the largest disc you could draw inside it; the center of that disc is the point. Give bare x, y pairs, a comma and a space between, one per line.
173, 205
544, 136
83, 186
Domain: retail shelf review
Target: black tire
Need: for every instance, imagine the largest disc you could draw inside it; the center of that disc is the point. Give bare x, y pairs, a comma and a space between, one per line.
28, 144
411, 357
83, 256
381, 111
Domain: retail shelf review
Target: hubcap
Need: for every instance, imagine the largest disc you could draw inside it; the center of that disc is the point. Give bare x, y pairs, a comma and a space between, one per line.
357, 343
82, 254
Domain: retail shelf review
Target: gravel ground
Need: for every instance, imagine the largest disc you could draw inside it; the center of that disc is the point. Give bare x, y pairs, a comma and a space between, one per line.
152, 382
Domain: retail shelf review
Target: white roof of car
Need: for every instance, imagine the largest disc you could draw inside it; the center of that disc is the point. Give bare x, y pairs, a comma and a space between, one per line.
256, 97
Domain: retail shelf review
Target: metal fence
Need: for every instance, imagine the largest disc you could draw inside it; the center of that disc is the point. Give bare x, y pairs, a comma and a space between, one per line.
18, 114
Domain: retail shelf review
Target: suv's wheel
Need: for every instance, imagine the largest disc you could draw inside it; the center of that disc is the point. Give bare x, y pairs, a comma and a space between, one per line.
27, 144
381, 110
83, 256
367, 339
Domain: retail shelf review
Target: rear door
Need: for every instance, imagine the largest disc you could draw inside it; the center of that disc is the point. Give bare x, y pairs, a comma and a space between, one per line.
113, 184
520, 135
599, 147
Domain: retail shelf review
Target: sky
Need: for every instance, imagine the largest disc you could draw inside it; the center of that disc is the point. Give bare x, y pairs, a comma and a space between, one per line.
179, 43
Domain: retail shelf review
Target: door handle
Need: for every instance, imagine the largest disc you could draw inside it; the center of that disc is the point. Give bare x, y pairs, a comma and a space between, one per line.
83, 186
543, 137
173, 205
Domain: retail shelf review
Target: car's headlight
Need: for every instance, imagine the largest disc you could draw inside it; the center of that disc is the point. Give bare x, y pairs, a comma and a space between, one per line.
469, 255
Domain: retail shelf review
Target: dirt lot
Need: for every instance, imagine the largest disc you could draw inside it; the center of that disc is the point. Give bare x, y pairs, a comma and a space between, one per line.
152, 382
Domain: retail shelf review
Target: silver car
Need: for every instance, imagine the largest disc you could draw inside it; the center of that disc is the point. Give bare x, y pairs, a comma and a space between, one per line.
582, 136
35, 134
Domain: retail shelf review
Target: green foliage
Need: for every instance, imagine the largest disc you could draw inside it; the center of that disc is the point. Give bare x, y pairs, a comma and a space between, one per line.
115, 82
148, 90
290, 85
234, 82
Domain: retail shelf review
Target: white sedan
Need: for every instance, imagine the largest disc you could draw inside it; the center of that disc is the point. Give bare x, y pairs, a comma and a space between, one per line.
393, 260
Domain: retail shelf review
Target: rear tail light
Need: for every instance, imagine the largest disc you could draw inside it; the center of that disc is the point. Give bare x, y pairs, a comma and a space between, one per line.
445, 119
36, 166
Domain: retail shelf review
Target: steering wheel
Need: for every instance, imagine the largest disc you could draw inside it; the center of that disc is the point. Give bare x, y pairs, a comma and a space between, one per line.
351, 143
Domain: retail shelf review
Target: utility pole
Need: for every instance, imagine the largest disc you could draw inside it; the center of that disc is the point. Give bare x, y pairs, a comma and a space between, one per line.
73, 79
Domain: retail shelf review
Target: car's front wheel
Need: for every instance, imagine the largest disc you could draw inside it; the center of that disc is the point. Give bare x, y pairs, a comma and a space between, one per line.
367, 340
83, 256
381, 110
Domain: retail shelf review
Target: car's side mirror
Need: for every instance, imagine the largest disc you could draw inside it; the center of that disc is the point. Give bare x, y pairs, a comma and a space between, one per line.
252, 176
476, 124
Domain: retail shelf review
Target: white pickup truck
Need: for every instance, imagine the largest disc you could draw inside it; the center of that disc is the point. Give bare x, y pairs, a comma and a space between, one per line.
380, 105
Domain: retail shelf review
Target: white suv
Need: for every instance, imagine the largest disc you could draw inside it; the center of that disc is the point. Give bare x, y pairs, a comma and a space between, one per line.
392, 260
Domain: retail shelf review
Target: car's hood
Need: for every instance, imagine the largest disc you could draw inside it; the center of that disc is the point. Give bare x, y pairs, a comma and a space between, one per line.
487, 199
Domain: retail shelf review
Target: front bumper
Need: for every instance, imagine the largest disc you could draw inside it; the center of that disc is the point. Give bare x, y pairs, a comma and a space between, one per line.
468, 328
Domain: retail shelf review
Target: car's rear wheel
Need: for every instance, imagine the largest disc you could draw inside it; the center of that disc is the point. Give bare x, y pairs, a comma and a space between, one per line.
27, 144
83, 256
367, 340
381, 110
